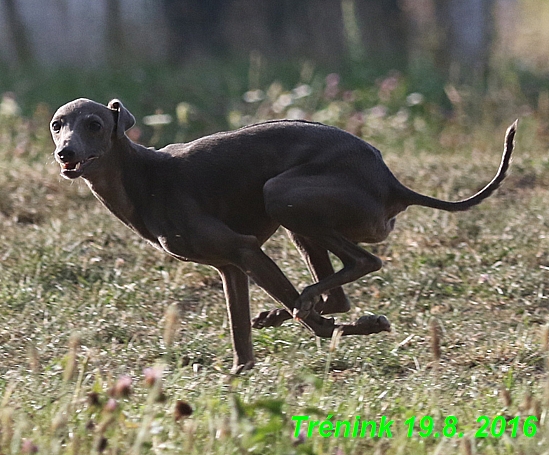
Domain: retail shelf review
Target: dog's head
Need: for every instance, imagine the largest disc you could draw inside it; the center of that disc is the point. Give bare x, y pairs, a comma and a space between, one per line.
84, 131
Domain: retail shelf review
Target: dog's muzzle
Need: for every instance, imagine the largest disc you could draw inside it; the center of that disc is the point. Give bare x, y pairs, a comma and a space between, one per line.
74, 169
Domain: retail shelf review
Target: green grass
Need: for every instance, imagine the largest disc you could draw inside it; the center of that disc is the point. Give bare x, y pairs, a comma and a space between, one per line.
83, 302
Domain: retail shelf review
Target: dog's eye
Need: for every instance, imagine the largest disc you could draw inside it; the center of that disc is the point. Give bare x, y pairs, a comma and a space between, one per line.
94, 126
56, 126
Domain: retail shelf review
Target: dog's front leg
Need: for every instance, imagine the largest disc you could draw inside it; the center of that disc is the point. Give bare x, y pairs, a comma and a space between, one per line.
235, 285
229, 251
249, 257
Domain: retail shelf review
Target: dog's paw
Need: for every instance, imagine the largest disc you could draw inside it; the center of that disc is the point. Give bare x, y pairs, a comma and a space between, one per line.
303, 307
237, 369
373, 323
367, 325
272, 318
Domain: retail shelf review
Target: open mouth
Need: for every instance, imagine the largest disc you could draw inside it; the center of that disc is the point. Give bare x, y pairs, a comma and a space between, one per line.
75, 169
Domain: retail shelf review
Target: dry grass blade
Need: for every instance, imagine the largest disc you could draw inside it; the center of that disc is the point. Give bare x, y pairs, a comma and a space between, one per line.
435, 332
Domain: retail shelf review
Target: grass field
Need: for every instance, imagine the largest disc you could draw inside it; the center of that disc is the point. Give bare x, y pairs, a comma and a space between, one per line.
107, 346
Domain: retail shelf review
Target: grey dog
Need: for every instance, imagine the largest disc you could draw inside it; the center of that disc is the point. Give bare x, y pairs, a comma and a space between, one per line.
217, 199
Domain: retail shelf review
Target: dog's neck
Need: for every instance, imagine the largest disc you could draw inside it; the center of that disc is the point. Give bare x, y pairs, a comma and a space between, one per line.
107, 182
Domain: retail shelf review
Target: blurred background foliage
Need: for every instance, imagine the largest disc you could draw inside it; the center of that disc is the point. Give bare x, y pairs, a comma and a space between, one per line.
205, 65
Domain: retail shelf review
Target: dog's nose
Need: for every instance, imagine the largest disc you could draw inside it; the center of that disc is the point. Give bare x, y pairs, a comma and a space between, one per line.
66, 154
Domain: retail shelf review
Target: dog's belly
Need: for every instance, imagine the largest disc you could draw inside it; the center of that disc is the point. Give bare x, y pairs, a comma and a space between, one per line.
260, 227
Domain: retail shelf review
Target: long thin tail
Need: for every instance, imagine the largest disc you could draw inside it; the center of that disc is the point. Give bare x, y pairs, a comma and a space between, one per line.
465, 204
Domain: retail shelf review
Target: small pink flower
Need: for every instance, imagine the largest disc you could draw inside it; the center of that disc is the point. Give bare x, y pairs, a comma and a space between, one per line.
111, 405
122, 388
28, 447
152, 376
124, 384
332, 85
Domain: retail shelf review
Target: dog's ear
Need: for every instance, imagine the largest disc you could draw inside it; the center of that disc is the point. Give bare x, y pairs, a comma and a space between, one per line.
124, 119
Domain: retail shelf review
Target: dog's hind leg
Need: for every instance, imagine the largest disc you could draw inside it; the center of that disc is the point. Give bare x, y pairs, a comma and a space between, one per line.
357, 262
319, 264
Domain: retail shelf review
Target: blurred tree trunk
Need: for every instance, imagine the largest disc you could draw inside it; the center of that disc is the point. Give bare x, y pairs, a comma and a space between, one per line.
195, 27
466, 28
115, 37
326, 31
384, 31
286, 29
21, 43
